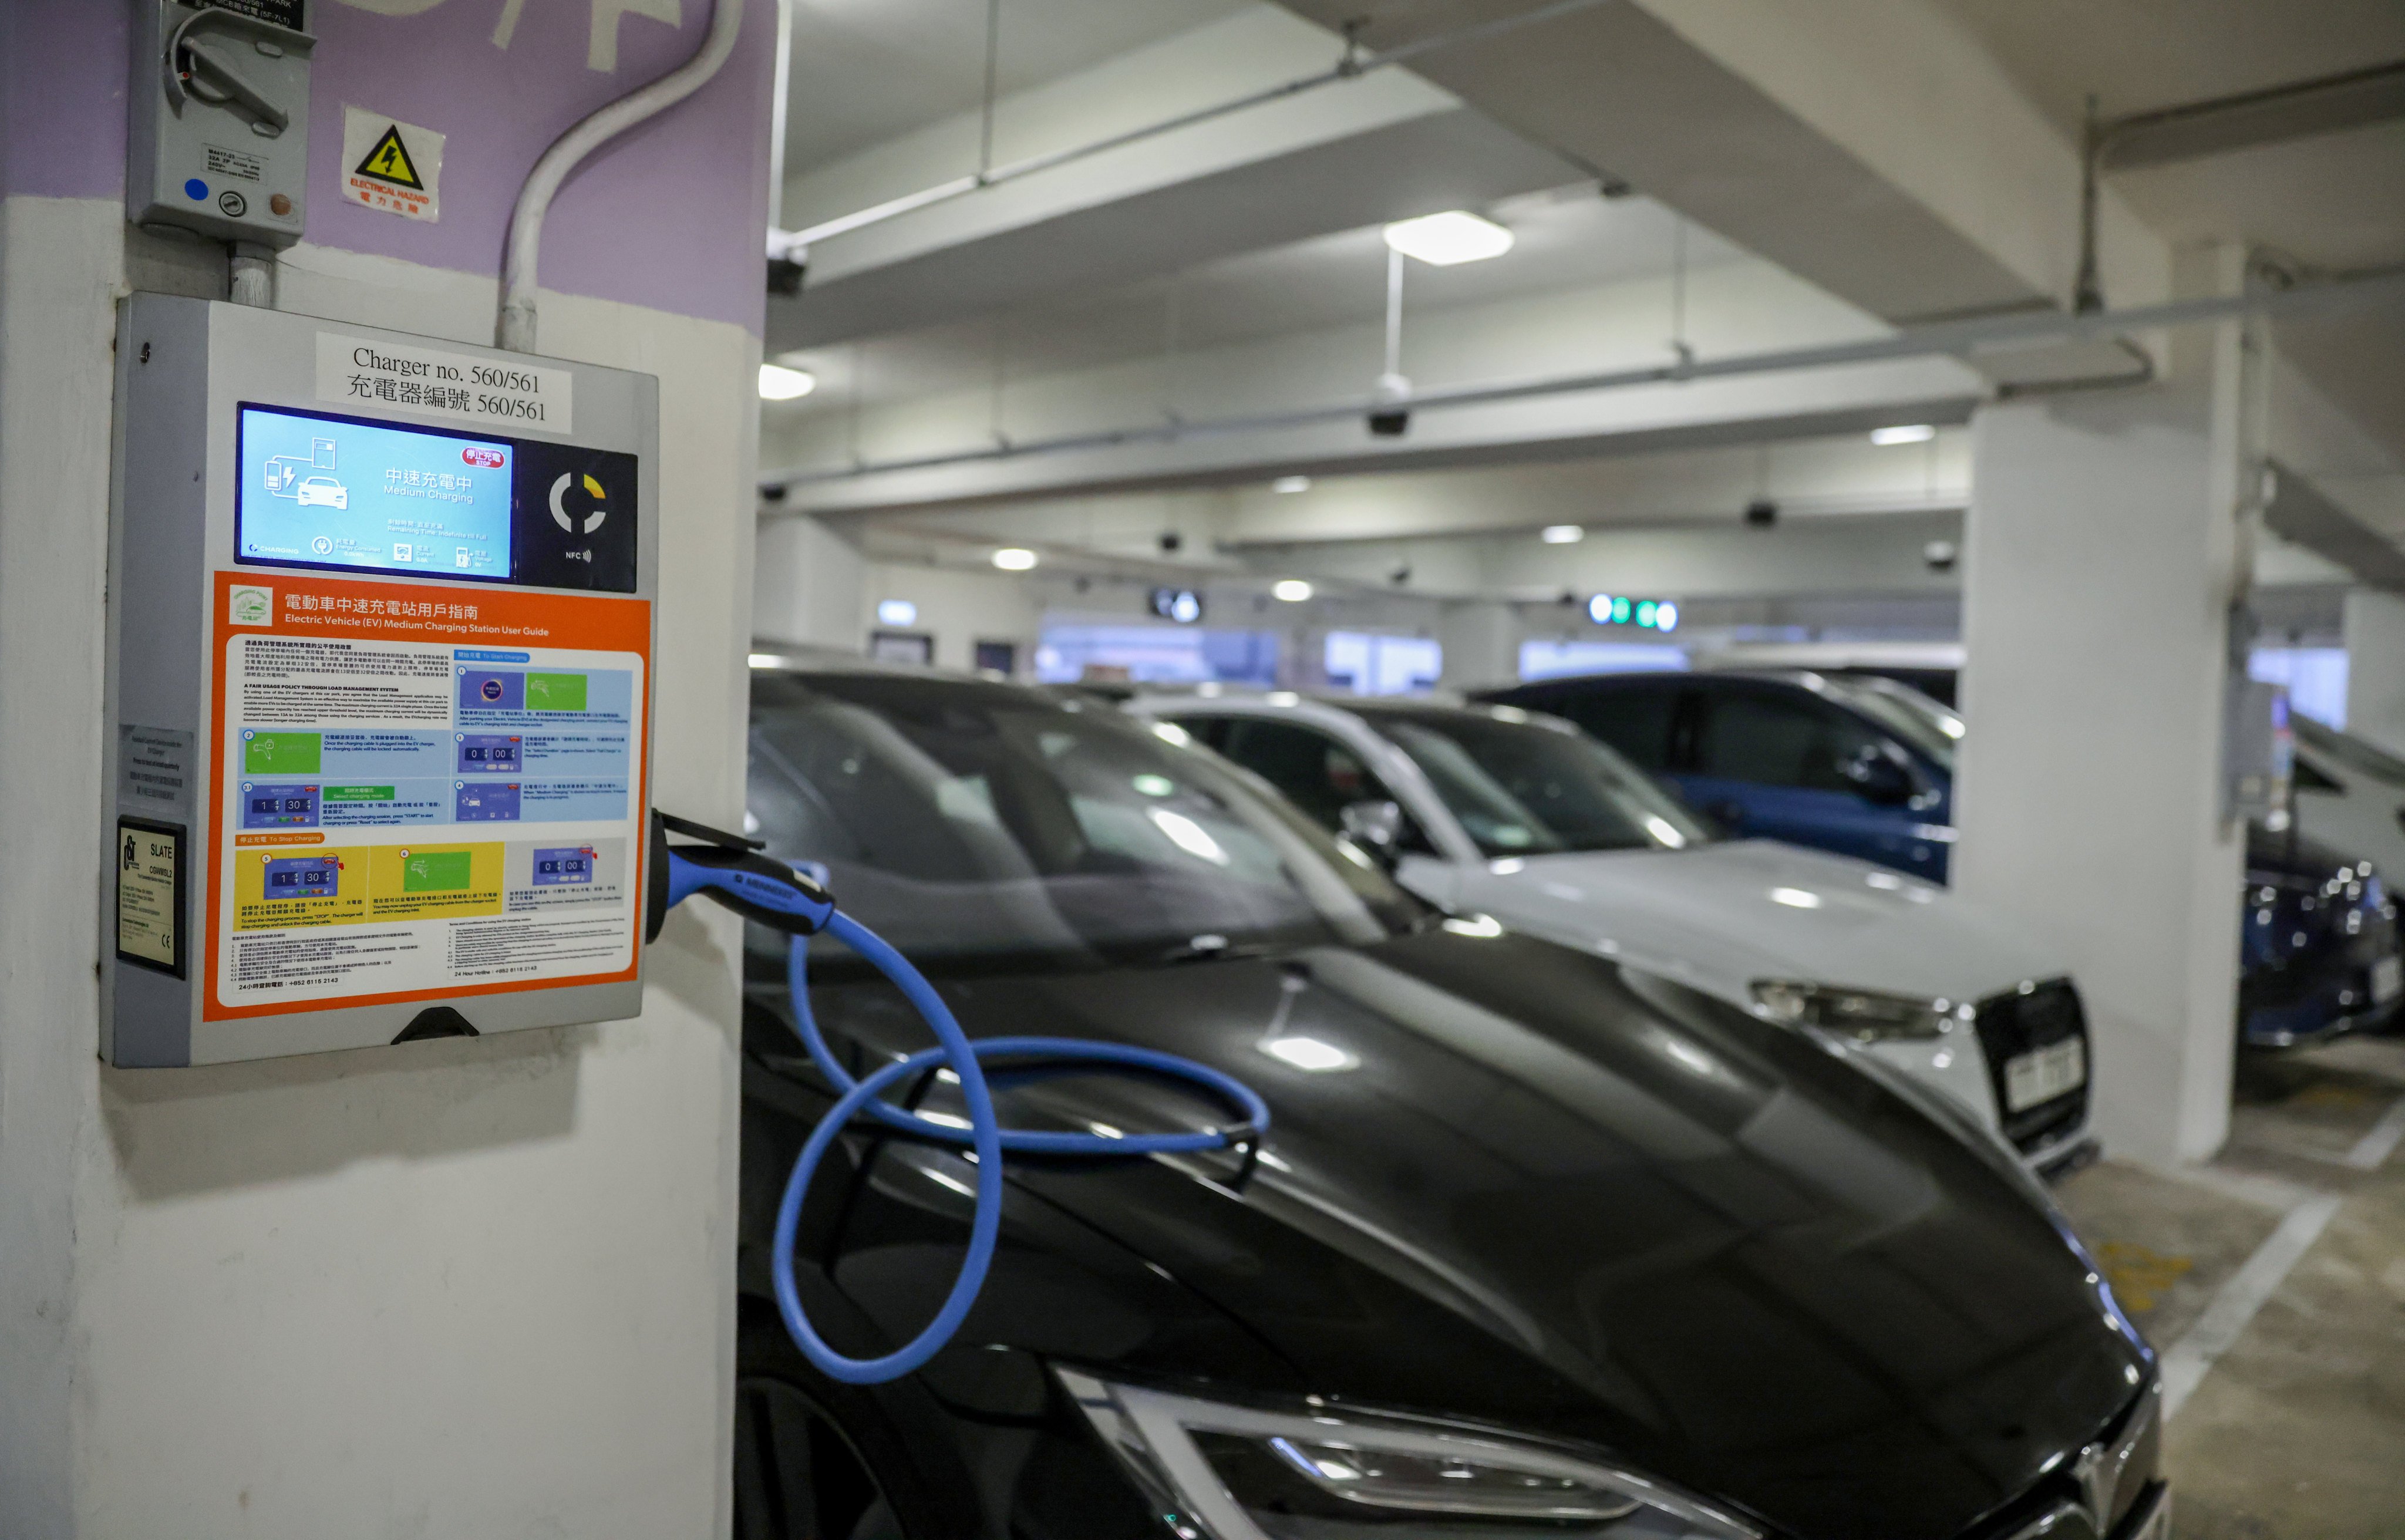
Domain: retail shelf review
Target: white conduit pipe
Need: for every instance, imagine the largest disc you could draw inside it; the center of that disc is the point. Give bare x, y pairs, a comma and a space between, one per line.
515, 327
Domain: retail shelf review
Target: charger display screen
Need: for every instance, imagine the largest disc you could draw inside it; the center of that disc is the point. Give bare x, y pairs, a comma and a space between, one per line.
322, 491
349, 493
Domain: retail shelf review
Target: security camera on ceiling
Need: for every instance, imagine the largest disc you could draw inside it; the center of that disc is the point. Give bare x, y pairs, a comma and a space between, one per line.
1389, 418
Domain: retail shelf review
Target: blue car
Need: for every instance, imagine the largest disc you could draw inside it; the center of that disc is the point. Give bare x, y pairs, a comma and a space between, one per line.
1860, 765
1864, 766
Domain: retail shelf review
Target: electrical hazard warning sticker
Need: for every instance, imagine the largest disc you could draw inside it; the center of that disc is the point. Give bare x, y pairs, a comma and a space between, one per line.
393, 166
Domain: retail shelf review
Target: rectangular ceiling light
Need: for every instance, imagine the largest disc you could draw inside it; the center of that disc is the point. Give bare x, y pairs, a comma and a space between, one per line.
1443, 240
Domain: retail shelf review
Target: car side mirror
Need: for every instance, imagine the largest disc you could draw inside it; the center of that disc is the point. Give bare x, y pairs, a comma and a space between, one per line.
1374, 828
1881, 781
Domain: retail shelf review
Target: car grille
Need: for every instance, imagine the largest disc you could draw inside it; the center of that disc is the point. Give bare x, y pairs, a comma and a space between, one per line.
2018, 1021
2108, 1490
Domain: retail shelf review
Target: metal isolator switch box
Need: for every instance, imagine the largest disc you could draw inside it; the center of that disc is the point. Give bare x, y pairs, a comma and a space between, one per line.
379, 687
217, 136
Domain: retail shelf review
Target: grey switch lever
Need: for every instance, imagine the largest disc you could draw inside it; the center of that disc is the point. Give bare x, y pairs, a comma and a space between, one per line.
215, 81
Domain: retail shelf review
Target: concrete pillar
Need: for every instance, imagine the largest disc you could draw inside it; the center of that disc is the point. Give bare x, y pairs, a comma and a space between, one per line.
2101, 552
473, 1287
1481, 645
2375, 666
808, 584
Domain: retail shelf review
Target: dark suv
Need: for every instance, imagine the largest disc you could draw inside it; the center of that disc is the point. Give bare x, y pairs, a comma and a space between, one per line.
1857, 764
1864, 766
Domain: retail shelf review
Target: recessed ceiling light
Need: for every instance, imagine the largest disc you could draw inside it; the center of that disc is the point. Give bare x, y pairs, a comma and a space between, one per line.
1562, 534
1309, 1053
1444, 239
1903, 433
897, 613
780, 383
1291, 483
1292, 590
1012, 558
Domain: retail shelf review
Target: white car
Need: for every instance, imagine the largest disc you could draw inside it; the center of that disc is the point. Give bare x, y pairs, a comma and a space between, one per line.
322, 492
1519, 816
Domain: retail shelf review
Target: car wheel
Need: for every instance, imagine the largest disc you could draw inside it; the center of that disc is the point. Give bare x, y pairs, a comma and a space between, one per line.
796, 1476
809, 1454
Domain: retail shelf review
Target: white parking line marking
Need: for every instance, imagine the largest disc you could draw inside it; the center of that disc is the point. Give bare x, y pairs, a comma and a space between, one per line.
2264, 1191
2375, 1147
2186, 1361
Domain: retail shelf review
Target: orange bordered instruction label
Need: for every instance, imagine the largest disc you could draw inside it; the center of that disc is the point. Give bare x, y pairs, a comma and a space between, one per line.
423, 793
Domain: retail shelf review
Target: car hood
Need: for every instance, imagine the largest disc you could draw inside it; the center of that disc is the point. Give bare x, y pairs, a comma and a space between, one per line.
1555, 1194
1725, 915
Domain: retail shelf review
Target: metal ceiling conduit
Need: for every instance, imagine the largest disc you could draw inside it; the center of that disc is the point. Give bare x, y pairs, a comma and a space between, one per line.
794, 245
2329, 103
1950, 339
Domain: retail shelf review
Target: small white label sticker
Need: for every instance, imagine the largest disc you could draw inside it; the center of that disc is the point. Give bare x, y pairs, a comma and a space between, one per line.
235, 162
392, 166
455, 386
247, 606
154, 769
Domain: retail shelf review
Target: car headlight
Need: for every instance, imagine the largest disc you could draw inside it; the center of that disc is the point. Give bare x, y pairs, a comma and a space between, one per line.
1865, 1015
1225, 1472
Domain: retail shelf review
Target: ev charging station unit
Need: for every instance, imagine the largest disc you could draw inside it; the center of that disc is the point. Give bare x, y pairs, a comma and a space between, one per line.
379, 676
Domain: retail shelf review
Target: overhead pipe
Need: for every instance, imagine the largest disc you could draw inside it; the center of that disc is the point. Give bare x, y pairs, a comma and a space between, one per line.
2191, 129
794, 245
514, 328
1941, 339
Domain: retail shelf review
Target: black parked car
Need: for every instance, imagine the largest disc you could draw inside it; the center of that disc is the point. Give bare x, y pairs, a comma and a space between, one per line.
1539, 1246
2318, 945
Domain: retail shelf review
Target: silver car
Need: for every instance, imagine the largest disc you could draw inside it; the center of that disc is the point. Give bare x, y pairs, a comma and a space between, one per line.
1512, 814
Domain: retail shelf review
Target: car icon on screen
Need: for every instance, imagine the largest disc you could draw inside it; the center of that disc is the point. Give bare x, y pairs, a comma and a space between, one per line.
323, 492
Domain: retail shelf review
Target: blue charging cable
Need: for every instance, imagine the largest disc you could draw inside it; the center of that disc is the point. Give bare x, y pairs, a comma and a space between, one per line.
732, 870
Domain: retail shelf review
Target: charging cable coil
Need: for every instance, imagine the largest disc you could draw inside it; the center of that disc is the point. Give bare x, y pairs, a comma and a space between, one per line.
733, 872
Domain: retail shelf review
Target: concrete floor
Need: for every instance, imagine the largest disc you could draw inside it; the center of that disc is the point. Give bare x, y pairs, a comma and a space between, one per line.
2273, 1283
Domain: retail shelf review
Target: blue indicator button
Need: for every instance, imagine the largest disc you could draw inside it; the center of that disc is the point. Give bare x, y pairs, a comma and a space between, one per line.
196, 190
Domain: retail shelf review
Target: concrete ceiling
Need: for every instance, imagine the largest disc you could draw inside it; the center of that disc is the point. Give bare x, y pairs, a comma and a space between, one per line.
1892, 160
2137, 55
867, 70
2330, 200
1438, 160
1566, 238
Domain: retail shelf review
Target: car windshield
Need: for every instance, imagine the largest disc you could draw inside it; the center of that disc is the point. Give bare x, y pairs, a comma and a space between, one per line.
1923, 724
970, 821
2348, 750
1524, 786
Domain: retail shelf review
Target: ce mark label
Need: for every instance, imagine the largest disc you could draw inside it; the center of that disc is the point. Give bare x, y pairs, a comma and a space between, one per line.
559, 513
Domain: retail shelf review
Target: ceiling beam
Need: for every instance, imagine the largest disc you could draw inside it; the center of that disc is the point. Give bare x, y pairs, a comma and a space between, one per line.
1370, 147
1870, 147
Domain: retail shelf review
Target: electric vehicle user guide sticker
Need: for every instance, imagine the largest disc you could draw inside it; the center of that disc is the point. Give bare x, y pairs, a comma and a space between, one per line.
428, 792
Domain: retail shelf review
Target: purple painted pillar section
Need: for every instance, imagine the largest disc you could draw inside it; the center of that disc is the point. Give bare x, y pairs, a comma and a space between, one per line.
670, 216
62, 98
